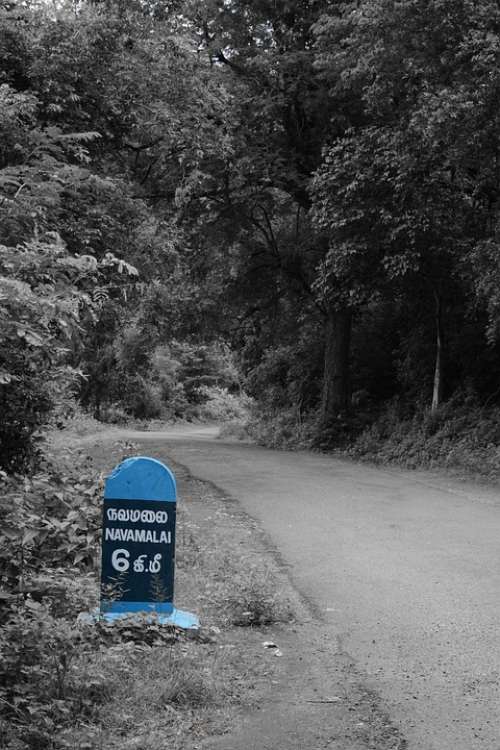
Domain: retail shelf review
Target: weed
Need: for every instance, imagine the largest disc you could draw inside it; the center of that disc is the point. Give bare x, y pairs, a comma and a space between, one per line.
43, 686
252, 600
457, 436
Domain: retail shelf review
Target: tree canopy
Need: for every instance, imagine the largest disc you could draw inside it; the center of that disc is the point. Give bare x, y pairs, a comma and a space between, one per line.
300, 196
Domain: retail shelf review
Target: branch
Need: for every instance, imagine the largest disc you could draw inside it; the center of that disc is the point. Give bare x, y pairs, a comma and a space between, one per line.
147, 173
272, 302
143, 146
220, 57
268, 239
270, 229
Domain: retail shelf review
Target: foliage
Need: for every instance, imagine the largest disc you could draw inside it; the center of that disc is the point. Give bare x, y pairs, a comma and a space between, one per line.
405, 195
63, 681
50, 527
401, 206
219, 405
45, 288
49, 520
43, 294
460, 436
143, 400
39, 306
310, 186
43, 683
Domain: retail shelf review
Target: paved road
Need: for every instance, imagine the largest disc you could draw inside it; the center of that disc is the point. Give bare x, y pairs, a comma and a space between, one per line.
405, 567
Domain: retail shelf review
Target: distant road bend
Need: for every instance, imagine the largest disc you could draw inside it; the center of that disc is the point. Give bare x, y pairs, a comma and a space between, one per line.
404, 566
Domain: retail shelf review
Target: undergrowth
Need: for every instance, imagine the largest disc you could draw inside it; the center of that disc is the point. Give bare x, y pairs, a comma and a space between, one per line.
457, 436
241, 591
460, 436
65, 682
255, 602
68, 683
276, 428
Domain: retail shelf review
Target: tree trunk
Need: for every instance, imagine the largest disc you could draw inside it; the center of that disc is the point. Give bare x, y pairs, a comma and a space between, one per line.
437, 391
336, 381
97, 402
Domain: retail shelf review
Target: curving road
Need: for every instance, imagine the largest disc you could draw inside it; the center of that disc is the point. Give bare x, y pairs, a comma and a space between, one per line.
405, 567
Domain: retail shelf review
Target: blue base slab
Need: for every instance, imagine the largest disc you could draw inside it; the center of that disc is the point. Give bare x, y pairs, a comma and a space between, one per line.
178, 618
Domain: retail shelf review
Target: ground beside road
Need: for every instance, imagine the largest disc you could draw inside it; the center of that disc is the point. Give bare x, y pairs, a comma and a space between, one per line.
312, 696
404, 567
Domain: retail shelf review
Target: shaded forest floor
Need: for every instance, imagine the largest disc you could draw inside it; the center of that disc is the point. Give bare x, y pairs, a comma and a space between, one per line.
460, 438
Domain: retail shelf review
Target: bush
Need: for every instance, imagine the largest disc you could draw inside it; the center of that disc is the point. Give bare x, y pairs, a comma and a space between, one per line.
114, 414
43, 690
277, 428
220, 405
460, 435
55, 675
256, 602
143, 399
25, 407
174, 398
48, 521
42, 303
196, 375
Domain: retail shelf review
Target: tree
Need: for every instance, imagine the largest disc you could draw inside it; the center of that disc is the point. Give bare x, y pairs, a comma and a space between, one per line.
403, 195
281, 117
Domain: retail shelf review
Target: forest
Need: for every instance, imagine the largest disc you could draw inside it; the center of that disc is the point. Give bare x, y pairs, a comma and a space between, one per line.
279, 215
290, 204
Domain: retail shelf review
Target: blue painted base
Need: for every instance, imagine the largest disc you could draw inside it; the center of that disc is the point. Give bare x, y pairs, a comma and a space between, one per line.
178, 618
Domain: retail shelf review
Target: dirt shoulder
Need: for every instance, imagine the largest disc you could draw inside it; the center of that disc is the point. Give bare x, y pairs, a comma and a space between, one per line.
302, 692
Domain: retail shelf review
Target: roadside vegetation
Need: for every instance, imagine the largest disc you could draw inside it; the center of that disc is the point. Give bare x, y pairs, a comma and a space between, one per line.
66, 682
460, 437
283, 215
283, 208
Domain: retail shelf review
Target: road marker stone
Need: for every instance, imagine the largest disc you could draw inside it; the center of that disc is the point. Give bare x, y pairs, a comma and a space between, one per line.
138, 544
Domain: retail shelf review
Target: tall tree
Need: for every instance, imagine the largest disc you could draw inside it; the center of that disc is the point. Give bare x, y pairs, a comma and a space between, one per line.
281, 118
409, 191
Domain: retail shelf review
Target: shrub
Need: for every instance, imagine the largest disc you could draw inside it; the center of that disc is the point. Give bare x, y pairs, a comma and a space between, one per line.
220, 405
255, 601
43, 690
191, 375
143, 399
50, 520
114, 414
460, 435
25, 407
30, 335
174, 398
280, 428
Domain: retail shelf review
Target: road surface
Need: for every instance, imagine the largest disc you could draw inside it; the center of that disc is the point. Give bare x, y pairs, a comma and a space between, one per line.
404, 567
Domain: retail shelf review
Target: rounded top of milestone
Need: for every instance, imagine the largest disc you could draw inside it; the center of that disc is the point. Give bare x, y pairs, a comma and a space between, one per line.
141, 478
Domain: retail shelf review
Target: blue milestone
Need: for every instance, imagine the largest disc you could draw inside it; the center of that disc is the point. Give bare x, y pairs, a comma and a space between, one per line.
137, 482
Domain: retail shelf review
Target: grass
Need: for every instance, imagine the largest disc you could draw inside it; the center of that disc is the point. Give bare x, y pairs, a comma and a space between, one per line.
163, 694
240, 591
252, 601
461, 437
133, 686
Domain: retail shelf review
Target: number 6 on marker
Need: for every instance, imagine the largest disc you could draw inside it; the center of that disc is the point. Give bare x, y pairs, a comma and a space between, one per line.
119, 560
